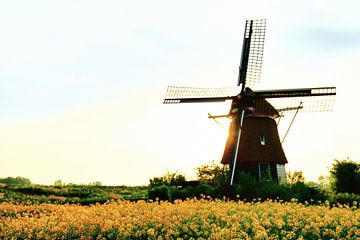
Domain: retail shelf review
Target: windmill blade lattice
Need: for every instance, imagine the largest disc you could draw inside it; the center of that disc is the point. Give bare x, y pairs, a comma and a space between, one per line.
312, 99
295, 92
309, 104
177, 94
255, 31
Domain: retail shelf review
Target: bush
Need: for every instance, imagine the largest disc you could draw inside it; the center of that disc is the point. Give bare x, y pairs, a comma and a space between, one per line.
159, 193
172, 193
180, 193
32, 190
228, 191
214, 182
18, 181
245, 187
345, 198
303, 192
204, 189
346, 176
168, 179
271, 190
93, 200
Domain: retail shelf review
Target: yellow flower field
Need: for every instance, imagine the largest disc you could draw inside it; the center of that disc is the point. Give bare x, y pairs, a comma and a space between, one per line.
198, 219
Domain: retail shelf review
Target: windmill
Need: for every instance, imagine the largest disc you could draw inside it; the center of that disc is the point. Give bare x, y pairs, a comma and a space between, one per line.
253, 144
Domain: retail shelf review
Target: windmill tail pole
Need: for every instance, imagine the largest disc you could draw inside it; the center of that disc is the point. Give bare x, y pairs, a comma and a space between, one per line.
297, 110
237, 148
210, 116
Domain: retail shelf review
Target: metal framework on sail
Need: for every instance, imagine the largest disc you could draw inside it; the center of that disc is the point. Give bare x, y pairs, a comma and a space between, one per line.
176, 94
252, 53
312, 99
296, 92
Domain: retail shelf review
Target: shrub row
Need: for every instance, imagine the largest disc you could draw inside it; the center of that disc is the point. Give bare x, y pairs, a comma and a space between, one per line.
249, 189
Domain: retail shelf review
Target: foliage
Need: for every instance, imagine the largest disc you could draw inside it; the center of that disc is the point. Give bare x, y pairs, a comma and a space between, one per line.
17, 181
180, 193
346, 176
209, 172
306, 193
82, 194
159, 193
345, 198
295, 177
188, 192
190, 219
168, 179
96, 183
246, 188
204, 189
214, 183
58, 183
324, 183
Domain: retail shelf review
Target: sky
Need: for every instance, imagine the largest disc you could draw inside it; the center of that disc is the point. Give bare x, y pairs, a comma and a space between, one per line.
82, 84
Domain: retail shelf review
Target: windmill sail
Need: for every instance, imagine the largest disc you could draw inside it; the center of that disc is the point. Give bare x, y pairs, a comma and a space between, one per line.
297, 92
176, 94
252, 53
312, 99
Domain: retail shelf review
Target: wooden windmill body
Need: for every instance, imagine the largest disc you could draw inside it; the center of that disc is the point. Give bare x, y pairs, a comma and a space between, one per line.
253, 143
259, 147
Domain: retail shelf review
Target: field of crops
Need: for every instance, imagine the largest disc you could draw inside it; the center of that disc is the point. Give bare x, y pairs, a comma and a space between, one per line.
199, 219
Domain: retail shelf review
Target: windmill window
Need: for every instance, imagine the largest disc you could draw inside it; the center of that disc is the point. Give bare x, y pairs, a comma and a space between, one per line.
262, 140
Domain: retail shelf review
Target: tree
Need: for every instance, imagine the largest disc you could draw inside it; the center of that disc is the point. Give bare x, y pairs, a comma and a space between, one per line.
325, 183
345, 176
295, 177
18, 181
96, 184
58, 183
209, 172
168, 179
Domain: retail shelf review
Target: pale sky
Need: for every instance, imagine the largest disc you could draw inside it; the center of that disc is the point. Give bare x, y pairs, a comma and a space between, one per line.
82, 84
